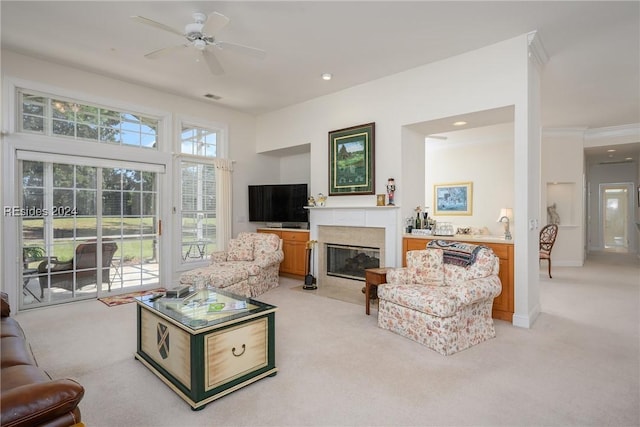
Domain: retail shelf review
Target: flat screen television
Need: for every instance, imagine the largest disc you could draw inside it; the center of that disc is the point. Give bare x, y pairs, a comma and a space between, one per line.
278, 203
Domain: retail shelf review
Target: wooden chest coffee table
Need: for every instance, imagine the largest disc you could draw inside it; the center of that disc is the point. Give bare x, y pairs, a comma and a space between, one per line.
201, 350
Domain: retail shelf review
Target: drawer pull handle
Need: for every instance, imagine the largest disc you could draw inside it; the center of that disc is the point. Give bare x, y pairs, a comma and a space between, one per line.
233, 350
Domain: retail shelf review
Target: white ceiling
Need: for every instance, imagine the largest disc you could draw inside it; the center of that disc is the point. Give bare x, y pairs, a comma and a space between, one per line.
592, 78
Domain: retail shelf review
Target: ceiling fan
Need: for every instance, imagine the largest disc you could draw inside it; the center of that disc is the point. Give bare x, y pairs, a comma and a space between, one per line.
200, 35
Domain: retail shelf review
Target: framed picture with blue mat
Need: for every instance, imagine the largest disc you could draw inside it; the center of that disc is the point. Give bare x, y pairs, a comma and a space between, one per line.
453, 198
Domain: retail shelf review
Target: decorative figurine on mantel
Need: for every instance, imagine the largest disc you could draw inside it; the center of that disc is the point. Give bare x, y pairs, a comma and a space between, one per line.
320, 199
391, 189
311, 201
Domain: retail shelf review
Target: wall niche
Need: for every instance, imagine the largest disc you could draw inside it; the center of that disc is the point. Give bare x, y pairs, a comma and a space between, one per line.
561, 197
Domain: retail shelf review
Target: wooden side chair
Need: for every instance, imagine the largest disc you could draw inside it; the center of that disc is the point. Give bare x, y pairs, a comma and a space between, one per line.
547, 239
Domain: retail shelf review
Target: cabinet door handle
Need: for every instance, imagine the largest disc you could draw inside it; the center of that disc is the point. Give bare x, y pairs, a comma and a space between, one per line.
233, 351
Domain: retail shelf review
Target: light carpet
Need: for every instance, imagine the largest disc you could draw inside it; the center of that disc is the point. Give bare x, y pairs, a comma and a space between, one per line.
577, 365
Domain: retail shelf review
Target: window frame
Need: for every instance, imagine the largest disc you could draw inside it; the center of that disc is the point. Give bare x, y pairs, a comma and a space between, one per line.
49, 119
221, 130
39, 143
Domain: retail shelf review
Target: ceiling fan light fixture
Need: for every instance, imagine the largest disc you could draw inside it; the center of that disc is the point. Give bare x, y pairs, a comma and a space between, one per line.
193, 29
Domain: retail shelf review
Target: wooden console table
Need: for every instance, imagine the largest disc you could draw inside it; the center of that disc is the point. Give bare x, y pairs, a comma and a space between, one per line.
373, 277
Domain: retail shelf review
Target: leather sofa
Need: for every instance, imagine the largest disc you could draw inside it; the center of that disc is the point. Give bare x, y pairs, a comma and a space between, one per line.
443, 298
249, 267
28, 395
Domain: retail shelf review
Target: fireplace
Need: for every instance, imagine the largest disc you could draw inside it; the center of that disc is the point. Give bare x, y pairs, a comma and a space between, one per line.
371, 227
332, 238
350, 262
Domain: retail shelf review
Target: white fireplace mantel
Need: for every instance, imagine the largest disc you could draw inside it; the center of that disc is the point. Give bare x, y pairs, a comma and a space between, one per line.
386, 217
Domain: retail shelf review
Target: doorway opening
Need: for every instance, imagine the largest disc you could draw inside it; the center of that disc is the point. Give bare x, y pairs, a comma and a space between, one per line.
615, 207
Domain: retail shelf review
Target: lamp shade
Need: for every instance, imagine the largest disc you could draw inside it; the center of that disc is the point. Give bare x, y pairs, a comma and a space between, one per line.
508, 212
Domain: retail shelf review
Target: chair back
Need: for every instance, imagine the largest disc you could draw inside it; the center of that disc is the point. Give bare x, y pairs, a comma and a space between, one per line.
548, 237
86, 256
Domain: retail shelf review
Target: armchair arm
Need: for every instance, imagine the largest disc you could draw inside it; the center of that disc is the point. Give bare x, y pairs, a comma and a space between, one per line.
218, 256
55, 265
398, 275
476, 290
266, 259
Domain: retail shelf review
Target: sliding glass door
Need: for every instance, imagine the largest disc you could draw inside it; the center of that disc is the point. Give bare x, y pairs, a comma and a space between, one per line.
87, 231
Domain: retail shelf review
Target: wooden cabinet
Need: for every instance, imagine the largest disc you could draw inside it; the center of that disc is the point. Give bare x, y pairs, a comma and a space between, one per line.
503, 304
294, 245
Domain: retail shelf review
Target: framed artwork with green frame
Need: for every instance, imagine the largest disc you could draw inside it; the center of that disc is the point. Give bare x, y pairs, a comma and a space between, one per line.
352, 160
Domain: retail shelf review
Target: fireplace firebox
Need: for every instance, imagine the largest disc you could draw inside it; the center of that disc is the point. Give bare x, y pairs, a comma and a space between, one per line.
350, 262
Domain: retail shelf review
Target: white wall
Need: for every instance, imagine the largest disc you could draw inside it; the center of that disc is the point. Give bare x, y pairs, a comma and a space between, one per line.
562, 182
294, 169
483, 156
492, 77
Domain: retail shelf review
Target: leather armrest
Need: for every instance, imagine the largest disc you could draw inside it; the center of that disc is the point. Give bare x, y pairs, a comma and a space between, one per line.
37, 403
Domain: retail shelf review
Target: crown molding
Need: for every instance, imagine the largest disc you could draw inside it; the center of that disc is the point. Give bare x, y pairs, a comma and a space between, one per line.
554, 132
536, 49
599, 136
612, 135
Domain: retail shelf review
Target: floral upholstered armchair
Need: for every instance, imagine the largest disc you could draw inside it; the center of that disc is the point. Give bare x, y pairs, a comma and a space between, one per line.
443, 298
248, 267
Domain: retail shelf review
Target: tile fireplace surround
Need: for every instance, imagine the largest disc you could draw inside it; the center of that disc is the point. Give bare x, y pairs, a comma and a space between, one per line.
375, 226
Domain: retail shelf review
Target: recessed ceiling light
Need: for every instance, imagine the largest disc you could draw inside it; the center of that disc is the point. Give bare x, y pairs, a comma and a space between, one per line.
460, 123
628, 158
326, 76
611, 151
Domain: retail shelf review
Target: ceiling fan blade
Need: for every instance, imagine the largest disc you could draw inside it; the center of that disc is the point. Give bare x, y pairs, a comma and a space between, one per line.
159, 52
215, 22
246, 50
159, 25
212, 62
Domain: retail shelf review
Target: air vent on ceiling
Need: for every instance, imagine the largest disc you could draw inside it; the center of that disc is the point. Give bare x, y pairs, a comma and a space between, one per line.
212, 96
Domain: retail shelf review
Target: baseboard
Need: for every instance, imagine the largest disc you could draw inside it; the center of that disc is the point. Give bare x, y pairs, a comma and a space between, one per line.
528, 320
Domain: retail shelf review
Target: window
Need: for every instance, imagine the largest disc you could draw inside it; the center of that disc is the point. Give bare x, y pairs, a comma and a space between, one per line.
199, 141
198, 237
56, 116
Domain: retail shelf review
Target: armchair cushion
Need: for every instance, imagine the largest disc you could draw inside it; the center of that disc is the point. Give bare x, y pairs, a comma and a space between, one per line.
240, 250
435, 300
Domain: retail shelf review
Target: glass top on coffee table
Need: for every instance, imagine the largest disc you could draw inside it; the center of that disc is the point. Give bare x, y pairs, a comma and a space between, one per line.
205, 308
